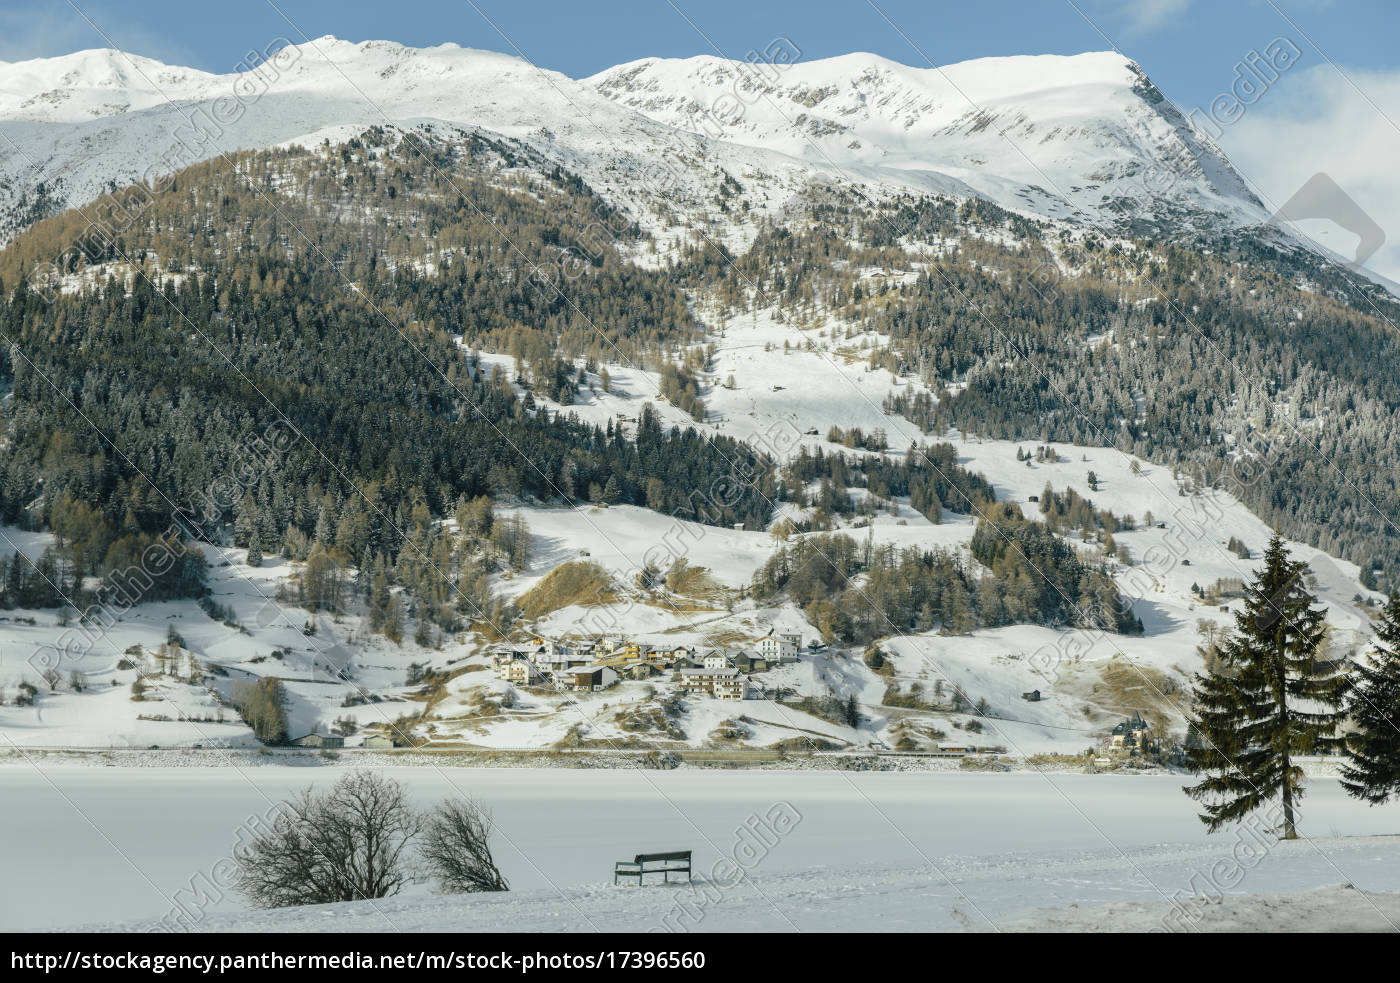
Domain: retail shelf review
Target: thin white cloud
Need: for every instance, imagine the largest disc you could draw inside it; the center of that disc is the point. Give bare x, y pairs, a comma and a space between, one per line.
1146, 16
1315, 121
44, 32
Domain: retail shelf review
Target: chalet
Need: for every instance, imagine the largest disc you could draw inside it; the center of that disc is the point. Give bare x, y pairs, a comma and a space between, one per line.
1032, 697
378, 741
715, 659
522, 672
503, 655
550, 657
779, 647
746, 661
502, 659
628, 650
318, 740
548, 645
589, 678
722, 684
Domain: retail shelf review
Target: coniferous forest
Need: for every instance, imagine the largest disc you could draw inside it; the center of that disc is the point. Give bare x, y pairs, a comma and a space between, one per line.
337, 296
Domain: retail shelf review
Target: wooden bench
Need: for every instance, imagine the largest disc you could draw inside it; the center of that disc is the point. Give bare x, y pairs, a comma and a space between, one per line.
664, 864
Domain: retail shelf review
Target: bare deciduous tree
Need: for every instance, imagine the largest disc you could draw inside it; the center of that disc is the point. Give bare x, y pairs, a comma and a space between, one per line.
346, 844
457, 850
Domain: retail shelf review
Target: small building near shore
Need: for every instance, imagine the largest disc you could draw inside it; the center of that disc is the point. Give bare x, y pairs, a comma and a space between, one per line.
318, 740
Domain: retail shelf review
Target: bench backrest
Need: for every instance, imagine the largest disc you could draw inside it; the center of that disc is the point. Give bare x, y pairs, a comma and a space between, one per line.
648, 857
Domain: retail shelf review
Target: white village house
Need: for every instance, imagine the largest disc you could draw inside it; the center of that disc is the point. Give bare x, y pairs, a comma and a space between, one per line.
520, 671
779, 646
722, 684
715, 659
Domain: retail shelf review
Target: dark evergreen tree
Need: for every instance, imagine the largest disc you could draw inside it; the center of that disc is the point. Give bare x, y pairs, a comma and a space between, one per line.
1373, 770
1269, 697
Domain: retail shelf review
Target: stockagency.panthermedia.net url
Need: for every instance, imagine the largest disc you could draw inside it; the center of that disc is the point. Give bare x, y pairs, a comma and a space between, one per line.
208, 963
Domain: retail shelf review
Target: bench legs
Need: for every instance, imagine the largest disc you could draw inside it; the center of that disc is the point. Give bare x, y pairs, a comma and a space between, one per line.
640, 875
626, 872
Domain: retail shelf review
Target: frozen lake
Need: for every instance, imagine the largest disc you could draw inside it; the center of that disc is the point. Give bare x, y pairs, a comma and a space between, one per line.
116, 844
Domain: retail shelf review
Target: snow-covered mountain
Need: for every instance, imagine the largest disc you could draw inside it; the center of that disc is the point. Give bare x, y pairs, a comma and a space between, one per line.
1086, 138
75, 126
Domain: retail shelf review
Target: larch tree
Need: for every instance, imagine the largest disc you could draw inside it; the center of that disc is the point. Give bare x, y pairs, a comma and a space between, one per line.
1270, 695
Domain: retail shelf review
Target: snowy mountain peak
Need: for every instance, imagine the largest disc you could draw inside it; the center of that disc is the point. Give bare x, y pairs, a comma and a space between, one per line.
87, 84
383, 55
1085, 137
107, 82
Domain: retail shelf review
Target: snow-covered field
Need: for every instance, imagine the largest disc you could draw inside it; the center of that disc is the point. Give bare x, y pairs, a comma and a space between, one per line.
820, 850
266, 638
908, 901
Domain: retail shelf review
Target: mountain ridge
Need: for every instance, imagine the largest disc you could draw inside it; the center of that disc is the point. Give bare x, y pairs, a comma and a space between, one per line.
871, 123
1029, 110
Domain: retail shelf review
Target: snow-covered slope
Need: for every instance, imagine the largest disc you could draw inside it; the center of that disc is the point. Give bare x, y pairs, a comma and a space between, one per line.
1085, 138
784, 397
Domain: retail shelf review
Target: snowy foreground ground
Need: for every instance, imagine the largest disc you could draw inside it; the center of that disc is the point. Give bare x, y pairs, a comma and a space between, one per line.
119, 848
826, 901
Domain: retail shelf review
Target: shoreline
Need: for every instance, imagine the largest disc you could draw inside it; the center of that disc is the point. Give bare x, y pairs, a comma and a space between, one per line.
549, 759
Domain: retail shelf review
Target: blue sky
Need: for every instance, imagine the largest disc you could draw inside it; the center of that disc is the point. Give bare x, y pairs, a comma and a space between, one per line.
1336, 109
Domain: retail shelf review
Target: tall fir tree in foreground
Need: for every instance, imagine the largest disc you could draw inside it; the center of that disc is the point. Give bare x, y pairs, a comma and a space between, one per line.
1373, 771
1268, 697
